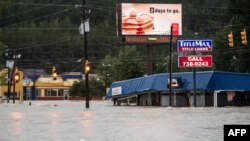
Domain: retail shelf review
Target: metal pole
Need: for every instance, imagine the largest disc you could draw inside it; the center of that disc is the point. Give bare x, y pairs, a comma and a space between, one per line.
170, 66
194, 82
150, 60
14, 91
8, 93
13, 82
85, 54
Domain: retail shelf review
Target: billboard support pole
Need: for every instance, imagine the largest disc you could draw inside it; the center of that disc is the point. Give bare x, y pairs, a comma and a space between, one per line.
170, 66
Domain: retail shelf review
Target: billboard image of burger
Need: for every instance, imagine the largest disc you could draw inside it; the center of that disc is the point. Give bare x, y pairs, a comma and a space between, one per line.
151, 19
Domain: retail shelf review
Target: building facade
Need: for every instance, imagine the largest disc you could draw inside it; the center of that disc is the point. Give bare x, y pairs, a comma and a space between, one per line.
34, 85
213, 88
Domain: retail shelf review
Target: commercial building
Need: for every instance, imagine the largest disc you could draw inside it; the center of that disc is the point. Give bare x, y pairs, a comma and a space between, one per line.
213, 88
18, 89
35, 85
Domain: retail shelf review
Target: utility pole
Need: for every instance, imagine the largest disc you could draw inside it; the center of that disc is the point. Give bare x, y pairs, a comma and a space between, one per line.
13, 74
9, 65
85, 53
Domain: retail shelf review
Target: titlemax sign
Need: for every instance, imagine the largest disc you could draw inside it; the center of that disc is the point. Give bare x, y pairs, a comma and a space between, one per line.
194, 45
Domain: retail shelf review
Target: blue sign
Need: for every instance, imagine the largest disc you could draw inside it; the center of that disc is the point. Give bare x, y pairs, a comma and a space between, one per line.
194, 45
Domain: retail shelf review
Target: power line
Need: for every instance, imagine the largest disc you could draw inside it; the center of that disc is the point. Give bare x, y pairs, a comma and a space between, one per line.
45, 16
42, 4
28, 11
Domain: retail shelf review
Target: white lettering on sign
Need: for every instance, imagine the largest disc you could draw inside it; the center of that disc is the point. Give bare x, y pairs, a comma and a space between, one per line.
195, 44
195, 49
116, 91
195, 61
195, 64
195, 58
236, 132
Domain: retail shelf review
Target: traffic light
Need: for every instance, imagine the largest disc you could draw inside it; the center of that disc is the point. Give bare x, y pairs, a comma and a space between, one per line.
230, 39
87, 67
17, 76
54, 73
243, 37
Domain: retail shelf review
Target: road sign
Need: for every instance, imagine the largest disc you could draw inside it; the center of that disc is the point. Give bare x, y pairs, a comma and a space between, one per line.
195, 61
194, 45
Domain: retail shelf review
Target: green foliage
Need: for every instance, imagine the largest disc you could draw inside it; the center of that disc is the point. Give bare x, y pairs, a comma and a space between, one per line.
105, 70
77, 89
127, 65
233, 59
95, 88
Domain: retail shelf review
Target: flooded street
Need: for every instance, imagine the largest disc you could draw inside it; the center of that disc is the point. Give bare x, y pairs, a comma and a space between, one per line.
71, 121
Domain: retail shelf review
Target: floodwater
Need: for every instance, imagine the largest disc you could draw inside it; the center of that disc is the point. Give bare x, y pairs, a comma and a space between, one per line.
71, 121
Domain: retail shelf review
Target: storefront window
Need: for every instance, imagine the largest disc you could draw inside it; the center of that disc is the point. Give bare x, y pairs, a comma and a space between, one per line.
39, 93
60, 92
51, 92
47, 92
54, 92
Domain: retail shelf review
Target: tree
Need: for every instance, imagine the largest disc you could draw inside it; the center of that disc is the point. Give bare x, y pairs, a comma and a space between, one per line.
77, 89
127, 65
105, 70
236, 58
95, 88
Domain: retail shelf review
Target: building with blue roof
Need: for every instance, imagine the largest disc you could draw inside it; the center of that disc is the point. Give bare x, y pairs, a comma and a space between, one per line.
214, 88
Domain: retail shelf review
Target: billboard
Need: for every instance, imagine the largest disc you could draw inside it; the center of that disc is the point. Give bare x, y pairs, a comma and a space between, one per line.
151, 19
194, 45
195, 61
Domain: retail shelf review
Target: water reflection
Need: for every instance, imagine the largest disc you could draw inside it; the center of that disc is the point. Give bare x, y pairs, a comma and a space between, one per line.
87, 123
54, 117
54, 128
16, 121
